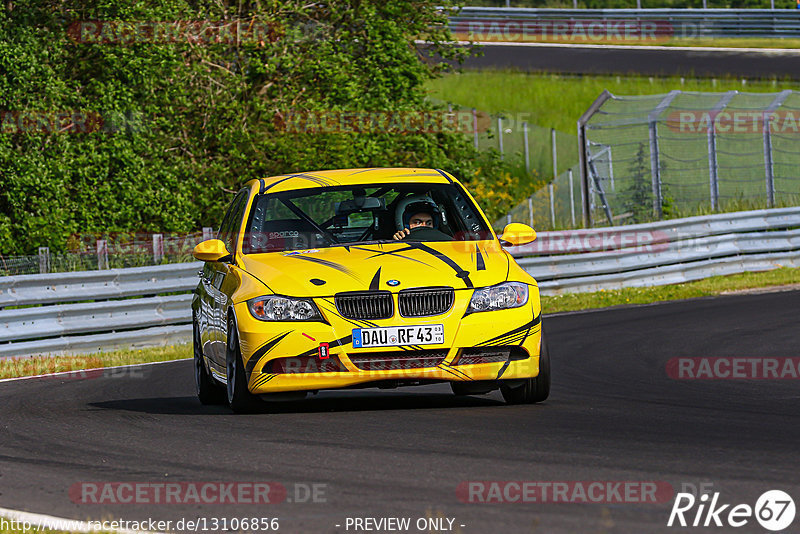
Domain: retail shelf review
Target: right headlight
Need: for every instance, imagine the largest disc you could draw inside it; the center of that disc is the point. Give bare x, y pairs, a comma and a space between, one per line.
500, 297
275, 308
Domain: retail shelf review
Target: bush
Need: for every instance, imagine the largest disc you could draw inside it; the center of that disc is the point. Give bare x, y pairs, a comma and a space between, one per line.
166, 131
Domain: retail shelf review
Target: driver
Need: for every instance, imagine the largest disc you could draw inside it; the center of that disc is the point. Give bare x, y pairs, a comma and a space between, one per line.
419, 215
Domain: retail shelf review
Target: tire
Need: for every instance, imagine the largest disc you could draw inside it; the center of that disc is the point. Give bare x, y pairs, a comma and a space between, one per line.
239, 397
534, 389
208, 391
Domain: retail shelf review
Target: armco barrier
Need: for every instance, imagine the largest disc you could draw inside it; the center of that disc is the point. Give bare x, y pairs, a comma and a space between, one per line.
625, 25
128, 312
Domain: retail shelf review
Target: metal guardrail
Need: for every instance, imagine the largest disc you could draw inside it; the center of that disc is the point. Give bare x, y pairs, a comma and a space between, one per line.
102, 284
644, 24
126, 311
664, 252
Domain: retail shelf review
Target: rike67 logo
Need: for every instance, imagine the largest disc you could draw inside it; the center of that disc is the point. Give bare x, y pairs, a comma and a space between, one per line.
774, 510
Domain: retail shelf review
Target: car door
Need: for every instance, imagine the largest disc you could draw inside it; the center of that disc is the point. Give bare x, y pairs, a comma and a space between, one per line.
221, 291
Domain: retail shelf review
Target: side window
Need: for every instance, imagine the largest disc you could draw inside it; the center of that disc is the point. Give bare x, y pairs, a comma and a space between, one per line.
230, 224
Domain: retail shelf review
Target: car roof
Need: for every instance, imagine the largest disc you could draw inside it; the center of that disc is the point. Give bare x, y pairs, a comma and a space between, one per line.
338, 177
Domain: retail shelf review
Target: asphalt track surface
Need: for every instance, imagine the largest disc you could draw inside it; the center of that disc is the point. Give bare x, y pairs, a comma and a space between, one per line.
641, 60
613, 415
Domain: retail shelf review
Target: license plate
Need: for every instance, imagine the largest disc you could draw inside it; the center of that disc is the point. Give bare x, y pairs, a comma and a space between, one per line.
395, 336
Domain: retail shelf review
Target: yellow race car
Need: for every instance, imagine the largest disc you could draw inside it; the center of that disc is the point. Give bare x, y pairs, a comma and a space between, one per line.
363, 278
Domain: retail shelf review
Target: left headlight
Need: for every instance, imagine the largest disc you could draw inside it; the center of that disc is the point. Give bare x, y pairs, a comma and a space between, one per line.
499, 297
274, 308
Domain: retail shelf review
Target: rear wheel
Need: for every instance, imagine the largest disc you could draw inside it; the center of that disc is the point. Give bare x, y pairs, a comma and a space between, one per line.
239, 397
534, 389
208, 391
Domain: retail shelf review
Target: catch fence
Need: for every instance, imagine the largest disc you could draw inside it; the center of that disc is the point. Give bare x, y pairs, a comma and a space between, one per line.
646, 158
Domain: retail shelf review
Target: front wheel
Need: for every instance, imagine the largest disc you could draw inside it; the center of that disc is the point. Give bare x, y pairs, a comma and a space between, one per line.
208, 391
534, 389
239, 397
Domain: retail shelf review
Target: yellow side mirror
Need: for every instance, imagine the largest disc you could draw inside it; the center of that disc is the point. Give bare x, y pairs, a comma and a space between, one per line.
211, 250
515, 234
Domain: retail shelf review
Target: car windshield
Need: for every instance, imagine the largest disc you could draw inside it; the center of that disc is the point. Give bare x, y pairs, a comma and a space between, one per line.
347, 215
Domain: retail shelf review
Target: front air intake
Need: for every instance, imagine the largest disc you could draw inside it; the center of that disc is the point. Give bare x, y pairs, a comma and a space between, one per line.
365, 304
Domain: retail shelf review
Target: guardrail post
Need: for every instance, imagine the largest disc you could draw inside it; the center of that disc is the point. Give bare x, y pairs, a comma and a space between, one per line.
44, 260
208, 233
158, 248
102, 254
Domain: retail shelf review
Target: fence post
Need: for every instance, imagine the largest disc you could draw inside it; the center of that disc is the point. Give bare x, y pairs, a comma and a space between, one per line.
530, 210
571, 199
768, 166
208, 233
102, 254
768, 163
655, 165
44, 260
655, 176
527, 150
713, 166
582, 156
500, 135
555, 152
475, 128
158, 248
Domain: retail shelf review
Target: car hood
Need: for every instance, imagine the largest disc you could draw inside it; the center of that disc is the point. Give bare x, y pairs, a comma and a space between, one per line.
387, 266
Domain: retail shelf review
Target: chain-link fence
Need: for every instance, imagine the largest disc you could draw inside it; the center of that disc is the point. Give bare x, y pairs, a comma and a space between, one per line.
676, 155
107, 252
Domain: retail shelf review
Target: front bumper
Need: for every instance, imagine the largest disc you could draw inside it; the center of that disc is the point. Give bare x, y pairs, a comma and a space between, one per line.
265, 347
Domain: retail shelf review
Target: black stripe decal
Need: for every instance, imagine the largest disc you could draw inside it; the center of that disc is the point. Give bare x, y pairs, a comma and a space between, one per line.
460, 273
503, 369
480, 265
326, 263
265, 348
444, 174
519, 330
376, 281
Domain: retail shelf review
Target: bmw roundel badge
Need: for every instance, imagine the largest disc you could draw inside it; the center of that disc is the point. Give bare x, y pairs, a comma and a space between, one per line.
393, 283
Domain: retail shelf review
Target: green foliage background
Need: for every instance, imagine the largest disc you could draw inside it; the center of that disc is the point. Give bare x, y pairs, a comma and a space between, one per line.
193, 121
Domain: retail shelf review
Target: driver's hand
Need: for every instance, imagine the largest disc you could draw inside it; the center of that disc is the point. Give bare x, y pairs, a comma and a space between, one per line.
401, 234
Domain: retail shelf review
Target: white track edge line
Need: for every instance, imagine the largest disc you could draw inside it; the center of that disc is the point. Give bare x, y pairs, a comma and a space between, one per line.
75, 371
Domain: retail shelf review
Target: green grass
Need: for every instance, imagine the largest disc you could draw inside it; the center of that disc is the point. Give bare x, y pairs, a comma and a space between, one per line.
557, 101
708, 287
37, 365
